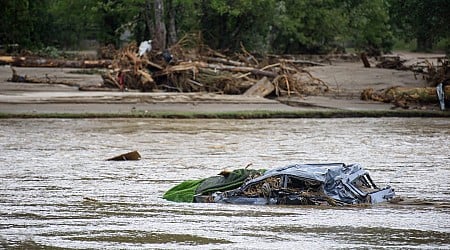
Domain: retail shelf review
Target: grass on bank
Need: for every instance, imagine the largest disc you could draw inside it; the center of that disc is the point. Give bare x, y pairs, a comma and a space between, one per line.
239, 114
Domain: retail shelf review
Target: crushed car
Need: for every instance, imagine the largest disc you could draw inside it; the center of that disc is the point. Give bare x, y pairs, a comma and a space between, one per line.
331, 184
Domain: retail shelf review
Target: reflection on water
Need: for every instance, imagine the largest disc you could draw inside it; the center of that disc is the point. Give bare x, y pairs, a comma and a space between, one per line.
56, 190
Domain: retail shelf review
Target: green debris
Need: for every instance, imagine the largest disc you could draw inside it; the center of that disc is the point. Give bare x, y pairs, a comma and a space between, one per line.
185, 191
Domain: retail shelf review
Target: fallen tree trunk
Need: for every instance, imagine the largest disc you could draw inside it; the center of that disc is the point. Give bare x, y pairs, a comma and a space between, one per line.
302, 62
46, 80
6, 59
224, 61
44, 62
404, 95
241, 69
418, 95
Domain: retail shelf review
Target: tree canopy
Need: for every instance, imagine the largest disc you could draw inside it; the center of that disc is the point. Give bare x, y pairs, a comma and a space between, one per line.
426, 21
266, 26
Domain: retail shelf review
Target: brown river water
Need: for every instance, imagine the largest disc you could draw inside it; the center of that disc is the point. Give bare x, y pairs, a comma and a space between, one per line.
57, 190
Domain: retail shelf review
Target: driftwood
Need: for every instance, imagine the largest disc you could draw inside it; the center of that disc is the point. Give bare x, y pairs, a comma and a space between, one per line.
224, 61
302, 62
47, 80
130, 156
434, 74
6, 59
110, 81
59, 63
189, 66
365, 60
262, 88
202, 69
392, 62
403, 97
107, 52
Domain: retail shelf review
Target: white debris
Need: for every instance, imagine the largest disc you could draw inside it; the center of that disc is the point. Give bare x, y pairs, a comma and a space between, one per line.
145, 47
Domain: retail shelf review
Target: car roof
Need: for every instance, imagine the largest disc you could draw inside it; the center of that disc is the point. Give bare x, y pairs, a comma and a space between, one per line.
318, 172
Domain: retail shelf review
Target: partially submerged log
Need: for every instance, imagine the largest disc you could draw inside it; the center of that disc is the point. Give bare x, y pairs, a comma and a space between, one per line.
130, 156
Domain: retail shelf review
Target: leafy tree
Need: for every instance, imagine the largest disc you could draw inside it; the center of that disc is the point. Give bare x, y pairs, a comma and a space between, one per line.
226, 24
281, 26
24, 22
312, 26
425, 21
184, 16
72, 21
369, 28
109, 18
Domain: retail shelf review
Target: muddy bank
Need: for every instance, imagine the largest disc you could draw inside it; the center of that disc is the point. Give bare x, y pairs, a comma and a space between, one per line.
347, 80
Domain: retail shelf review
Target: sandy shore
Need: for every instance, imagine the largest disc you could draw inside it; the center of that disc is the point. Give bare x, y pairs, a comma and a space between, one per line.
347, 80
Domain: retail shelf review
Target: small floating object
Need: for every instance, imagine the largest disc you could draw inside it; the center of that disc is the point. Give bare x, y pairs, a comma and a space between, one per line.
88, 199
130, 156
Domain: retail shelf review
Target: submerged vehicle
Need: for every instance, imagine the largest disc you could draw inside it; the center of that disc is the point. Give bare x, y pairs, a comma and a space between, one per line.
333, 184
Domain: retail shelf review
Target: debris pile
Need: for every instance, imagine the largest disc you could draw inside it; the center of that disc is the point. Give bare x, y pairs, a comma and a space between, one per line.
106, 52
434, 74
190, 66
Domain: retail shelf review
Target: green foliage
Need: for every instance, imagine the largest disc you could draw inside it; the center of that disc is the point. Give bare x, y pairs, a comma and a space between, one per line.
426, 21
21, 22
312, 26
188, 16
111, 17
227, 24
369, 26
48, 51
72, 22
280, 26
183, 192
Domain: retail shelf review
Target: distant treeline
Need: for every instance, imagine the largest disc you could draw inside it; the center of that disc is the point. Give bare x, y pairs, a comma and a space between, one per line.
264, 26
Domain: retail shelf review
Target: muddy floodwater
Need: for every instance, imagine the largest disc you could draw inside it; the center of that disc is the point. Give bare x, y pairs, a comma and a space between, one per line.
57, 190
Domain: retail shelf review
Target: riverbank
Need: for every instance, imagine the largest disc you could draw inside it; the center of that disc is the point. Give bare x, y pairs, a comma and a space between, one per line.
71, 103
345, 79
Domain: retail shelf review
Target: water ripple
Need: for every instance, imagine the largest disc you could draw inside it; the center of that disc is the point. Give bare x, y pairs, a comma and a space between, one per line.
57, 190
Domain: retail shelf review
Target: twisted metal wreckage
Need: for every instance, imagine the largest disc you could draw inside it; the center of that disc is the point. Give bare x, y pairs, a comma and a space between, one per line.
334, 184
